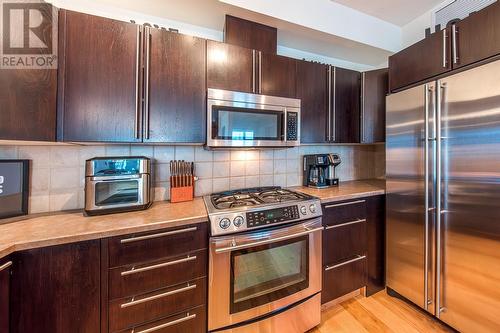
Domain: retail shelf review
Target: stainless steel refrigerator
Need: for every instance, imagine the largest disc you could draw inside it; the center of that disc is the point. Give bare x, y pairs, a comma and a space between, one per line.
443, 198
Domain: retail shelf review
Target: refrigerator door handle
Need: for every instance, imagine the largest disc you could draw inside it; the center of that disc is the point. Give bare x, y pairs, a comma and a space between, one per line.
429, 94
441, 90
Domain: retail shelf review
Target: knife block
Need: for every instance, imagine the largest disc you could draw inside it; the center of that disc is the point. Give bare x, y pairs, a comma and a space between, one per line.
182, 194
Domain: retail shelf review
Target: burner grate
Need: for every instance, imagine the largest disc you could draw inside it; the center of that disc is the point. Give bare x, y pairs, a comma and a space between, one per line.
254, 197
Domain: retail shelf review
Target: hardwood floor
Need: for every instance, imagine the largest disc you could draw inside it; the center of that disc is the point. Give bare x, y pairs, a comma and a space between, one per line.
378, 313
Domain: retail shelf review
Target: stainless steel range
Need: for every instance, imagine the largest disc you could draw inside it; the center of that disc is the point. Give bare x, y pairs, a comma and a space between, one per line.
265, 261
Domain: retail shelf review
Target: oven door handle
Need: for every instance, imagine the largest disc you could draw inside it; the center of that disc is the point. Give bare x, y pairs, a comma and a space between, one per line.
267, 241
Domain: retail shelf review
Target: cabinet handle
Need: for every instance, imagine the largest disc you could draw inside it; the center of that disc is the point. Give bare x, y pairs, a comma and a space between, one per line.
138, 101
345, 204
445, 60
260, 72
344, 224
170, 323
146, 82
162, 234
454, 41
328, 268
6, 265
363, 79
329, 136
253, 71
155, 297
165, 264
334, 107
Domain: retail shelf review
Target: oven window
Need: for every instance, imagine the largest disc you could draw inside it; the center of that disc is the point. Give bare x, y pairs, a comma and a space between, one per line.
246, 124
267, 273
112, 193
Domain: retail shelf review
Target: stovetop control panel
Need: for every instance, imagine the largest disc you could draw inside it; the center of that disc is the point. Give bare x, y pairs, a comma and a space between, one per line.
270, 216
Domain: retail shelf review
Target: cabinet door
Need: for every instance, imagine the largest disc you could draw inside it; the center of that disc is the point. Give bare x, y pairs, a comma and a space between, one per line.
5, 267
98, 79
312, 91
374, 91
376, 244
477, 36
346, 111
230, 67
343, 278
28, 104
421, 61
56, 289
177, 91
277, 75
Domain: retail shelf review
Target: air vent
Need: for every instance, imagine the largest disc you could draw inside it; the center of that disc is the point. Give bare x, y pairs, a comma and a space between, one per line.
459, 9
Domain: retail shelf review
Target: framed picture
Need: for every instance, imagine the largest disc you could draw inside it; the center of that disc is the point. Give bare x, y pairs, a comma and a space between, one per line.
14, 188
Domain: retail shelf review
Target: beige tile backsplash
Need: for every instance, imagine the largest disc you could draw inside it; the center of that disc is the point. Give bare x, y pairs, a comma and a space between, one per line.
57, 173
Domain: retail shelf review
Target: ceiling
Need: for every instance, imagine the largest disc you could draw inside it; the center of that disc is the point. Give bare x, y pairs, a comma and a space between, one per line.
398, 12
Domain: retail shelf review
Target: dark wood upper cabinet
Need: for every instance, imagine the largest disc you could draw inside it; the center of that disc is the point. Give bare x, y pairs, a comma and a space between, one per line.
312, 90
177, 91
230, 67
421, 61
98, 79
251, 35
28, 102
56, 289
346, 106
374, 91
277, 75
477, 36
5, 267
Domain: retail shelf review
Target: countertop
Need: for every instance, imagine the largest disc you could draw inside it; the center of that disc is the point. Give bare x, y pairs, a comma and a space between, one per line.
62, 228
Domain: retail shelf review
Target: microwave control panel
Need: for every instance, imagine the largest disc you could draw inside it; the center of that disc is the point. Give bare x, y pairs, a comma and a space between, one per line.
292, 126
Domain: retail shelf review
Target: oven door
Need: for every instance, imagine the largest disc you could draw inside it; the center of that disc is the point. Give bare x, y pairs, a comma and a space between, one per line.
103, 193
242, 124
257, 273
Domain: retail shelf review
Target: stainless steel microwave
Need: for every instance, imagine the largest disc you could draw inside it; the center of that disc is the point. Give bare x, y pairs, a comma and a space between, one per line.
117, 184
243, 120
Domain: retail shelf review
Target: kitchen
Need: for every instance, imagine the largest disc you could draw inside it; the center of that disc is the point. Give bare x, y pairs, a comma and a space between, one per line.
236, 166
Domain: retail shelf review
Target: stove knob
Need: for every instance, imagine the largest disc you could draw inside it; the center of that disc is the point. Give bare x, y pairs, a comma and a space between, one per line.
224, 223
303, 210
312, 208
238, 221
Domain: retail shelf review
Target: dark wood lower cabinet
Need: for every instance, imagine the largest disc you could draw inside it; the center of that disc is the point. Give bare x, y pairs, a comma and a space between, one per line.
343, 279
56, 289
5, 269
353, 247
376, 244
126, 312
193, 321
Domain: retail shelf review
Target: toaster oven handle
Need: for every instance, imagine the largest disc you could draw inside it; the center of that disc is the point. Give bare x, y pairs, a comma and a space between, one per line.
234, 247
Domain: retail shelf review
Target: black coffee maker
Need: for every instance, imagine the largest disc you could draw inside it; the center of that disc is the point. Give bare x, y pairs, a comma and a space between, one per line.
319, 170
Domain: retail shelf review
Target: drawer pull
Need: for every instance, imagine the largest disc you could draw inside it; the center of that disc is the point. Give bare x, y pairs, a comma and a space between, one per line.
152, 298
6, 265
170, 323
148, 268
344, 224
345, 204
344, 263
168, 233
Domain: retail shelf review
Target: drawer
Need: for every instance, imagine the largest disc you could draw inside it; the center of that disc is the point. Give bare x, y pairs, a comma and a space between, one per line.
343, 212
192, 321
343, 278
127, 312
134, 280
135, 248
344, 241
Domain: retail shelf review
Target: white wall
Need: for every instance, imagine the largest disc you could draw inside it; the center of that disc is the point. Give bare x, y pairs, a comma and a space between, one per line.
415, 30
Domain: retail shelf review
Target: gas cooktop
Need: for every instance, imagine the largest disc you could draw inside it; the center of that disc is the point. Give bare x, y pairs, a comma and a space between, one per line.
254, 208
